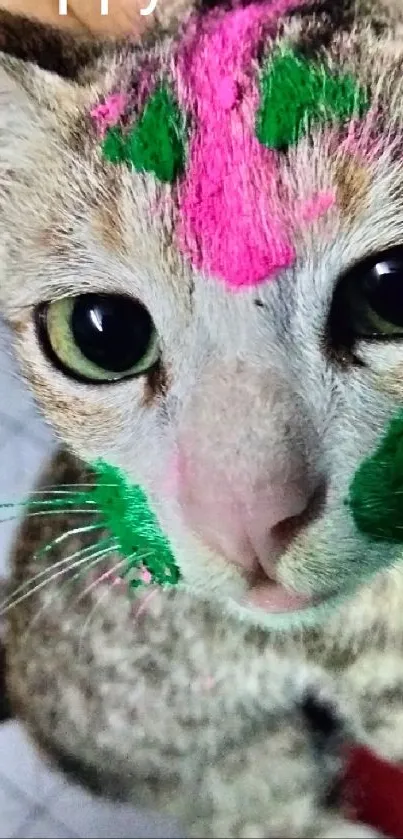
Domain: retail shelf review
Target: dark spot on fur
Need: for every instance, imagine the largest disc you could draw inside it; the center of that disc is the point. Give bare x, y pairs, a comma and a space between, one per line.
50, 48
225, 5
353, 181
192, 288
339, 11
310, 8
320, 22
320, 718
207, 5
328, 736
156, 383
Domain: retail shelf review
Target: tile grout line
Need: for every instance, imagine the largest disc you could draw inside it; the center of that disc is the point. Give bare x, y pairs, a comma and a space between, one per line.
42, 811
32, 817
31, 805
15, 790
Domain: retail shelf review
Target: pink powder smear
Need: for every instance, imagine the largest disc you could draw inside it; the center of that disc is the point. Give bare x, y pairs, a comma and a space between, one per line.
108, 114
141, 606
208, 683
169, 483
233, 224
313, 208
145, 575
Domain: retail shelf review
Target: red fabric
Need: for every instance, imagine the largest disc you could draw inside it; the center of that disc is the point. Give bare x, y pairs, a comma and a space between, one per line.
372, 791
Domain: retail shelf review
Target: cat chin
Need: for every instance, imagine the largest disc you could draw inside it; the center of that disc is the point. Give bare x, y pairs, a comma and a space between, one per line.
306, 613
278, 622
273, 598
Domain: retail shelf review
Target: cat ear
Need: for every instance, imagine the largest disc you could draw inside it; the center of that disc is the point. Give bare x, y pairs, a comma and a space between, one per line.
48, 77
71, 56
54, 67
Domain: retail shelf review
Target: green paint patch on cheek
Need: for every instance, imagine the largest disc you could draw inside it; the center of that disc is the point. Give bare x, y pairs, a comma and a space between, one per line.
296, 93
114, 146
115, 505
376, 493
156, 143
128, 516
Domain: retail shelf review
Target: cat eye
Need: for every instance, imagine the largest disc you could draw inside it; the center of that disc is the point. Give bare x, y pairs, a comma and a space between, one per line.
98, 337
368, 301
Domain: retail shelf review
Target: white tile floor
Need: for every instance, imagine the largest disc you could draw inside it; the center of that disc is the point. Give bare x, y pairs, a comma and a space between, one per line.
34, 801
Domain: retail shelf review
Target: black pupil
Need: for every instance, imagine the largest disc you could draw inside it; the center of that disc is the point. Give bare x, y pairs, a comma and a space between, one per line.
383, 289
111, 331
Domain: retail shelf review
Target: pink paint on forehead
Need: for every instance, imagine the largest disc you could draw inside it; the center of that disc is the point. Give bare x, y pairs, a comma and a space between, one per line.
233, 224
363, 137
313, 208
109, 112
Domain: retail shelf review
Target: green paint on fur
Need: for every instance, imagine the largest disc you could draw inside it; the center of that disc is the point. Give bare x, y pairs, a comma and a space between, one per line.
114, 146
129, 518
156, 143
376, 492
296, 93
123, 509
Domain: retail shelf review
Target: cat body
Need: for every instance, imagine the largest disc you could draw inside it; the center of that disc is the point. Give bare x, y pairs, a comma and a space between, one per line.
239, 243
162, 701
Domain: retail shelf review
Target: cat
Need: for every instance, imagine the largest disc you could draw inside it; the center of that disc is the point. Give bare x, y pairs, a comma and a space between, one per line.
229, 193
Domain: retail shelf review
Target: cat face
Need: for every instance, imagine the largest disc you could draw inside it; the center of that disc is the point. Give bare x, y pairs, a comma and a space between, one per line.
218, 313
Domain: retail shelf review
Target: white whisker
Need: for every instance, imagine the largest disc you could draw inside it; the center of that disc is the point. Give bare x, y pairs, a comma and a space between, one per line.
45, 503
87, 622
75, 532
105, 594
40, 611
97, 582
45, 572
56, 512
54, 577
54, 492
144, 603
37, 588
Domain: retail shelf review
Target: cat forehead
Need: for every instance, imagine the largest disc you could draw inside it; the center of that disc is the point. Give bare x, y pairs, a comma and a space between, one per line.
251, 140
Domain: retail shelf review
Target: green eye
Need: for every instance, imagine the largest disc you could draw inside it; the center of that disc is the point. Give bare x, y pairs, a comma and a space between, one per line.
98, 337
368, 301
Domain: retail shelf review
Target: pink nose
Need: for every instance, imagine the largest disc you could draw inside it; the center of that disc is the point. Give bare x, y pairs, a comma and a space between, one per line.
250, 525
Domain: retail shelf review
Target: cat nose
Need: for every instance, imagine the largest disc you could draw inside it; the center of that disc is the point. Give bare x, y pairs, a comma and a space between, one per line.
251, 527
279, 516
